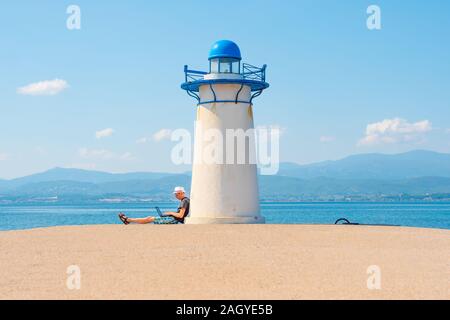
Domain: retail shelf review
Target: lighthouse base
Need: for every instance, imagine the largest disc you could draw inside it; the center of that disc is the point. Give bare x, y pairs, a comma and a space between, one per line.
225, 220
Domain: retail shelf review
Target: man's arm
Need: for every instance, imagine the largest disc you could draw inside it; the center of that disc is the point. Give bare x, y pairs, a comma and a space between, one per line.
178, 215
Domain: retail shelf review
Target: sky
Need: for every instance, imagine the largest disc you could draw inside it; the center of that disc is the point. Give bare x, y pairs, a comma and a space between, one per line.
107, 96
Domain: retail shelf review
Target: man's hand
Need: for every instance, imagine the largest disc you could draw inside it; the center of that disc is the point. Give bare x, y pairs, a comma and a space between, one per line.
167, 214
178, 215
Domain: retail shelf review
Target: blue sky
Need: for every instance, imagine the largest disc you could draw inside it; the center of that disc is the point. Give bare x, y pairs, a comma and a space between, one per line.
330, 78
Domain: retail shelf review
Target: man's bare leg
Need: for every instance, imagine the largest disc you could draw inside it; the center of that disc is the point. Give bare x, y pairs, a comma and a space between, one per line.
141, 220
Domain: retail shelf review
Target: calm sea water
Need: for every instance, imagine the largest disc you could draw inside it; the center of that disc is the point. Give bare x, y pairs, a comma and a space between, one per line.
430, 215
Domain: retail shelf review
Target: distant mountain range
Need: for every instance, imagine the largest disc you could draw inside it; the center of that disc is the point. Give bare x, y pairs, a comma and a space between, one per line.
415, 175
411, 164
63, 174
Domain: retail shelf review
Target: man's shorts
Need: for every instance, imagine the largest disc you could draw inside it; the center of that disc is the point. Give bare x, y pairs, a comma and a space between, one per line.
165, 220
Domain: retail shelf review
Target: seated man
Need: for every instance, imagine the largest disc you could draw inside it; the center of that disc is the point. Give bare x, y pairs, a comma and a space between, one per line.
169, 217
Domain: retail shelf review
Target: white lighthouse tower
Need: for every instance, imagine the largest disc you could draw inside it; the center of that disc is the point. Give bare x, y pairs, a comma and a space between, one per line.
224, 191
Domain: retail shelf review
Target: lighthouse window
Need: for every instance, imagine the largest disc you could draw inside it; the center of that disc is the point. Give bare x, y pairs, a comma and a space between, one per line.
214, 67
235, 66
225, 66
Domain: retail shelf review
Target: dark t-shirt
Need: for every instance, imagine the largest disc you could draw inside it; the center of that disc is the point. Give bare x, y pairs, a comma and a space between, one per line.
184, 203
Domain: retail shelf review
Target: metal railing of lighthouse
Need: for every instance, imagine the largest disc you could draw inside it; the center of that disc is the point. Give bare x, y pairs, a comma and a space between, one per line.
254, 73
193, 75
249, 72
251, 75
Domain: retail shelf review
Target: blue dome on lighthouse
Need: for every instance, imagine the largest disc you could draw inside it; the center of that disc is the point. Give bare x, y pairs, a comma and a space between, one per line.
224, 49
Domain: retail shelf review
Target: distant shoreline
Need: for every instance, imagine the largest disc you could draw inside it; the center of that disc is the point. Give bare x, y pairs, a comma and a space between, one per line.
143, 202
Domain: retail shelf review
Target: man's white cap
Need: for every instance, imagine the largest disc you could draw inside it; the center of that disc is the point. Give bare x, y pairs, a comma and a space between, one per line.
178, 189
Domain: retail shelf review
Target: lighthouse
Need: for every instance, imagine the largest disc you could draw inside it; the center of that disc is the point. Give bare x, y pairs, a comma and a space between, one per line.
225, 184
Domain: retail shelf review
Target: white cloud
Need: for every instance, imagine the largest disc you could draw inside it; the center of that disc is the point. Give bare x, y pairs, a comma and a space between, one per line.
4, 156
103, 154
127, 156
394, 130
104, 133
44, 88
142, 140
95, 153
327, 139
162, 135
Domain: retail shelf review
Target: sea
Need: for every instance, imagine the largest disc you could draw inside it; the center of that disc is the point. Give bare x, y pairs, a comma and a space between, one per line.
414, 214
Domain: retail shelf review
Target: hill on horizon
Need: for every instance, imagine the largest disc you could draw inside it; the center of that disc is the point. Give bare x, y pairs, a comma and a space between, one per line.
82, 175
367, 175
413, 164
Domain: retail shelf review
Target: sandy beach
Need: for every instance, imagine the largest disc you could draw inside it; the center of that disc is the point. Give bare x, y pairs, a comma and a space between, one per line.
225, 262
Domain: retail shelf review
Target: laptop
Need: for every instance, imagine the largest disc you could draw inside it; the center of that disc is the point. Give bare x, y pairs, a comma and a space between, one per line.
160, 212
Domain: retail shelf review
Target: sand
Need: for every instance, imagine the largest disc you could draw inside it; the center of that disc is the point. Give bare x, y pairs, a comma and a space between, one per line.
225, 262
